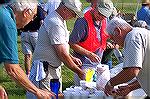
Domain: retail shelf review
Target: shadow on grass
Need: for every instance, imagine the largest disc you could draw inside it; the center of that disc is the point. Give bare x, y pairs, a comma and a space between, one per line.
67, 84
16, 97
67, 78
16, 92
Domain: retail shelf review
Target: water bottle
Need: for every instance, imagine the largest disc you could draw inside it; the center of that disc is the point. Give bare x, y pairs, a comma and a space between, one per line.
55, 85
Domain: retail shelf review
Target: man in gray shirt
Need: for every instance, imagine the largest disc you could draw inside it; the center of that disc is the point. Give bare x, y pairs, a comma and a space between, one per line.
136, 43
52, 46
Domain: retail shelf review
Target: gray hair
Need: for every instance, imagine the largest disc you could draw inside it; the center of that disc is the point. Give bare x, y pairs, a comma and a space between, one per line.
140, 23
116, 22
20, 5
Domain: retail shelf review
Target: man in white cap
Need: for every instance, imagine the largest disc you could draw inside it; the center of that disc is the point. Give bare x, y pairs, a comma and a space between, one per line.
52, 47
88, 38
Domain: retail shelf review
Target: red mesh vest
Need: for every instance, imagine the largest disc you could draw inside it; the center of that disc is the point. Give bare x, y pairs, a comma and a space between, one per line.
92, 43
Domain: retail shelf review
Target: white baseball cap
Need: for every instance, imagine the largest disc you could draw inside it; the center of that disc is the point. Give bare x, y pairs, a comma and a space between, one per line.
105, 7
74, 5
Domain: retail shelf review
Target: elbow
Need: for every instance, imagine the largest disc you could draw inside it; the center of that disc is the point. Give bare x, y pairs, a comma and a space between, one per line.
10, 69
62, 56
133, 71
136, 71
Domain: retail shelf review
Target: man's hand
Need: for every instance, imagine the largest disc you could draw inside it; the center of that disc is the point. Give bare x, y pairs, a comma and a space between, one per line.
3, 94
93, 57
110, 46
123, 90
77, 61
44, 94
109, 89
81, 75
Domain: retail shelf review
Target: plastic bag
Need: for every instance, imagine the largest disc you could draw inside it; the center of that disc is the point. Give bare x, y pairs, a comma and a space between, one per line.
103, 76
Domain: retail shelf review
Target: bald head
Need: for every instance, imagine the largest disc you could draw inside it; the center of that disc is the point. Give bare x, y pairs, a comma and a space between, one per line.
117, 22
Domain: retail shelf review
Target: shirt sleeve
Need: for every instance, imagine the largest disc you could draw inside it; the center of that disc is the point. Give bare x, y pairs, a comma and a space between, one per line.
147, 17
46, 7
58, 35
79, 31
133, 52
8, 41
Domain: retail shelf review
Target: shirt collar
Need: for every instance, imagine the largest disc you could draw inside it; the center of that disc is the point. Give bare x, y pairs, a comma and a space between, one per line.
11, 12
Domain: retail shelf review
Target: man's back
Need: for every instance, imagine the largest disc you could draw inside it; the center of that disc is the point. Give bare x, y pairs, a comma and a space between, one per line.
8, 36
138, 54
50, 33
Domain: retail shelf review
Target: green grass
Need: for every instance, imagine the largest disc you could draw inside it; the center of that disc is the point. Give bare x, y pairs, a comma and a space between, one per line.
16, 92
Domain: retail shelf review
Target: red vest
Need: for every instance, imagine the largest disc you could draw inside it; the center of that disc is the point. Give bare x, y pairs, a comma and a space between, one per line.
92, 43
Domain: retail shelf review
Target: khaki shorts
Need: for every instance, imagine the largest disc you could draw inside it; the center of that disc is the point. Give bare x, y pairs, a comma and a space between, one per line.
51, 73
28, 41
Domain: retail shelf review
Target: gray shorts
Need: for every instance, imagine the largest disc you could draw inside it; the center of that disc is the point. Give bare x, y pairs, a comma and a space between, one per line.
28, 41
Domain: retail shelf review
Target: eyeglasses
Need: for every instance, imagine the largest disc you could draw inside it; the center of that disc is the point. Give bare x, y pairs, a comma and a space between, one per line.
35, 15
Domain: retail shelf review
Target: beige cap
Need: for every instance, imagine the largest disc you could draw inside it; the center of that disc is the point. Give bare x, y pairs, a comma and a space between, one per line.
145, 1
114, 12
105, 7
74, 5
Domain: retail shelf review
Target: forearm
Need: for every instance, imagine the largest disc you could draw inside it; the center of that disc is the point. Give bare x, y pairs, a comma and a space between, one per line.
92, 56
18, 75
134, 85
65, 57
67, 60
80, 50
124, 76
71, 56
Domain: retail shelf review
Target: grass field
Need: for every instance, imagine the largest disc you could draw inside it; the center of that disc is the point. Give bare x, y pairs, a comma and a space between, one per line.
16, 92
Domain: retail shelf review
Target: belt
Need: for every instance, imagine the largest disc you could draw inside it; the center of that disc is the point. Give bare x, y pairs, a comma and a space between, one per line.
46, 64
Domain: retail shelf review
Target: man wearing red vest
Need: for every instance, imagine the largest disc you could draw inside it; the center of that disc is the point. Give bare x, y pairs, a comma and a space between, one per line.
88, 38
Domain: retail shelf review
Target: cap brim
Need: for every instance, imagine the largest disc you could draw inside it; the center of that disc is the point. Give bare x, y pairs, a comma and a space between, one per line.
104, 12
79, 14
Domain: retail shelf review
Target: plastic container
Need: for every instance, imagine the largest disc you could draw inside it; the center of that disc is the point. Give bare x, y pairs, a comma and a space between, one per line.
55, 86
75, 95
84, 94
89, 70
97, 95
67, 94
103, 76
